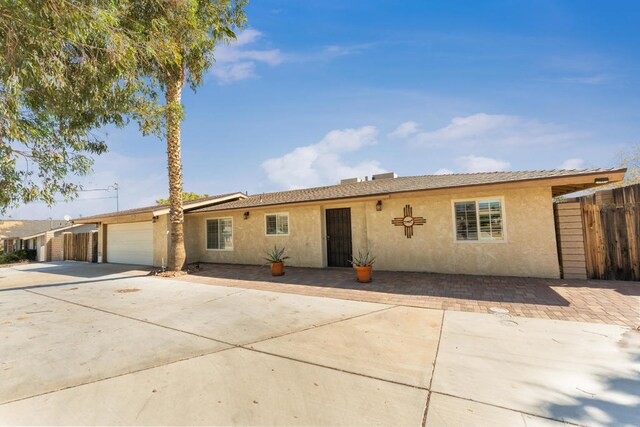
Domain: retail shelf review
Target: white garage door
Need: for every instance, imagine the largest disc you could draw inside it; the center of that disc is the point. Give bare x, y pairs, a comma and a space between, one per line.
130, 243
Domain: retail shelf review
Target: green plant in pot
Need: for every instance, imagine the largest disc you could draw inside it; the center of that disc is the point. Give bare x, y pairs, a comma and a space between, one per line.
363, 264
276, 258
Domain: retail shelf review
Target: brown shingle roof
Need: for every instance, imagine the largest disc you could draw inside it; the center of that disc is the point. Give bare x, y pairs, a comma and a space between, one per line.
149, 209
396, 185
20, 228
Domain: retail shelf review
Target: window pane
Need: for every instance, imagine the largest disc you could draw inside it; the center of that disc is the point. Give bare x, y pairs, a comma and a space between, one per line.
271, 224
213, 240
466, 221
277, 224
283, 224
220, 233
226, 234
490, 218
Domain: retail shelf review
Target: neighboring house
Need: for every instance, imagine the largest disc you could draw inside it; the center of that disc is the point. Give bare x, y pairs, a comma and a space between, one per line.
50, 244
12, 232
499, 223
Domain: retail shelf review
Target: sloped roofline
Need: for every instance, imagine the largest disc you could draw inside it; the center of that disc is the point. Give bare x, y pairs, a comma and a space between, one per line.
395, 186
159, 210
54, 230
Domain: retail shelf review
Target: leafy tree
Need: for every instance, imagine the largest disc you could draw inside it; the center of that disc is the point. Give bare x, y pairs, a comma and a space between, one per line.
64, 71
71, 66
186, 197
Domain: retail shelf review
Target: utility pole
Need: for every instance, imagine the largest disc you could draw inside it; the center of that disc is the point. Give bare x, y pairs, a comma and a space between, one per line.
117, 197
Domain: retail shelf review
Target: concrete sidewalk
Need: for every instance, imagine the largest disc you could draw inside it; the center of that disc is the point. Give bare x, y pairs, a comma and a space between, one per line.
101, 344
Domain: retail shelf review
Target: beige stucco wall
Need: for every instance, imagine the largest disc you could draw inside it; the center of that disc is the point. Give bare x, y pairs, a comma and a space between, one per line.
100, 242
160, 240
250, 243
529, 249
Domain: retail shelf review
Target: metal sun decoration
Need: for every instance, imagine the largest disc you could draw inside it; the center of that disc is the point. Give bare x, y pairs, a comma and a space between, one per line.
408, 221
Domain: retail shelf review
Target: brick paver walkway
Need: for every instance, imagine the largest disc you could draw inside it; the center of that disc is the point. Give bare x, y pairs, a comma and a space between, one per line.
580, 300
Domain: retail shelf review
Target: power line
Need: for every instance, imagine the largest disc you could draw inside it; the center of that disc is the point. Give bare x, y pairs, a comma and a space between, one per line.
83, 200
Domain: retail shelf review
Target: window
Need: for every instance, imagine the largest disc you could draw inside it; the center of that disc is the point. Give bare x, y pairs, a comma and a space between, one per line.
220, 234
277, 224
479, 220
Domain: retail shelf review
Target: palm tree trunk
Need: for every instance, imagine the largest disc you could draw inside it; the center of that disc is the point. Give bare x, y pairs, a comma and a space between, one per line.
177, 255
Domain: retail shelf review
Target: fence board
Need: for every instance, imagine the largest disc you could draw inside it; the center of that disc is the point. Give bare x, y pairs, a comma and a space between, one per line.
76, 246
612, 234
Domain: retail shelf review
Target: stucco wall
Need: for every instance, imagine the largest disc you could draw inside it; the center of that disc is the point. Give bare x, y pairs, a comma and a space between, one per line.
303, 244
529, 249
160, 240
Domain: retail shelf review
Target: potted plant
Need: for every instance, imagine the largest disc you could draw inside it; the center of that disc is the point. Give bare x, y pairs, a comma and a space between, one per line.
276, 258
362, 263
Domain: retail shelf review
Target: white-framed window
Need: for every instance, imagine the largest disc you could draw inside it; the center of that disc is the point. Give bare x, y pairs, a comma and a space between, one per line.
277, 224
219, 234
479, 220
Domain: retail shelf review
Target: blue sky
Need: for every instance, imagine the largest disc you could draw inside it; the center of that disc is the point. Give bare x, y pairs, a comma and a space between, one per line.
315, 91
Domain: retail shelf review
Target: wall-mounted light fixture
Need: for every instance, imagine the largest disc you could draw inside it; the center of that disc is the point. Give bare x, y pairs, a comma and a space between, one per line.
379, 205
601, 180
246, 215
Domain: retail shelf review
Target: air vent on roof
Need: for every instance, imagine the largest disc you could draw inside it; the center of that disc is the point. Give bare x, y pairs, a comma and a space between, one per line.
388, 175
350, 181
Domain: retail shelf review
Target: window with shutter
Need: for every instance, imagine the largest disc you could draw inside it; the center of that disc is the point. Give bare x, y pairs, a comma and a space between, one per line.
479, 220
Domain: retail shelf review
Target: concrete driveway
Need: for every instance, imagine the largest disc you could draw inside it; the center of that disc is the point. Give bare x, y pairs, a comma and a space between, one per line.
105, 344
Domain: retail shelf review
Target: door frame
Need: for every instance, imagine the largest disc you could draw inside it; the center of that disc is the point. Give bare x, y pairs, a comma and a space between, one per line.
325, 249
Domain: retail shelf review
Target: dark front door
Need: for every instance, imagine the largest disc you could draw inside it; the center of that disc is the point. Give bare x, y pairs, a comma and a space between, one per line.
338, 237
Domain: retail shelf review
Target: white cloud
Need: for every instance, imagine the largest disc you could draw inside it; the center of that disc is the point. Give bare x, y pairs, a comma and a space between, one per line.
443, 171
472, 164
493, 129
323, 163
234, 62
405, 130
572, 164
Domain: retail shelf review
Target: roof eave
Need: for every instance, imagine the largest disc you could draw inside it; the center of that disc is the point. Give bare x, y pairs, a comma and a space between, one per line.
587, 179
150, 214
196, 205
42, 233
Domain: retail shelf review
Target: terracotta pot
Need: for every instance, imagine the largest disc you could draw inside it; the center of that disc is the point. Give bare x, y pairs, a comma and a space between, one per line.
277, 268
364, 274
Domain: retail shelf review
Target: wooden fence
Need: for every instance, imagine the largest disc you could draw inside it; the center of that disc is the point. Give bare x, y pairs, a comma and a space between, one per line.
612, 241
610, 221
78, 247
570, 239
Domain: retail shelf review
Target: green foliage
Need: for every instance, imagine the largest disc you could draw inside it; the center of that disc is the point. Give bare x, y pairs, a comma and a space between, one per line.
186, 197
70, 67
276, 255
18, 256
363, 259
63, 73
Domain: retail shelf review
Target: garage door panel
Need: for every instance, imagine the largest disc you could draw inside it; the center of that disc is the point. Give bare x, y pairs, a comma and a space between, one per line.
130, 243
